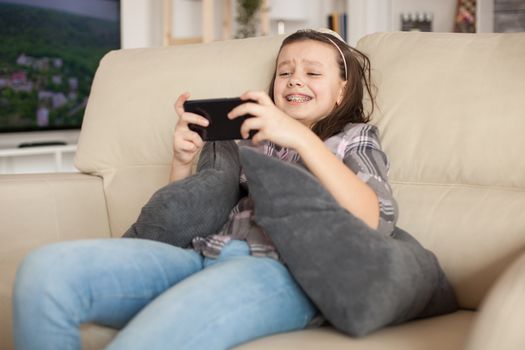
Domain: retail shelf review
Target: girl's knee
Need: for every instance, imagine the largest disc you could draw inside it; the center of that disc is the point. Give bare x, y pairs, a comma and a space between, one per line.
39, 270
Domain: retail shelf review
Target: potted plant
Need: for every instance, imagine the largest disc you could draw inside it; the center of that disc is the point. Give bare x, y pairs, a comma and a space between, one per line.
247, 17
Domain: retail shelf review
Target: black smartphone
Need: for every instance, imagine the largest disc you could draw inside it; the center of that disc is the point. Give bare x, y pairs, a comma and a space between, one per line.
216, 111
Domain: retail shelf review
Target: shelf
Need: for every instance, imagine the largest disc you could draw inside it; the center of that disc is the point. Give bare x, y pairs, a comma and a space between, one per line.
8, 155
209, 8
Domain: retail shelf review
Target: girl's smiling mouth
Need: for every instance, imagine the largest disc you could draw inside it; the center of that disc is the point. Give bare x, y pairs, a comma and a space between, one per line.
297, 98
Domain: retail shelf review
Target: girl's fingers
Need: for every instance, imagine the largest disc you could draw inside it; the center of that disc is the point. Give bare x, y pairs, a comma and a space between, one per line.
246, 108
190, 144
187, 146
179, 104
257, 138
192, 118
249, 125
260, 97
189, 136
195, 138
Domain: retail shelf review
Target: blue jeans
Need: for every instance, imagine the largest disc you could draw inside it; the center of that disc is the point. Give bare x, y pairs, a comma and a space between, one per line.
158, 296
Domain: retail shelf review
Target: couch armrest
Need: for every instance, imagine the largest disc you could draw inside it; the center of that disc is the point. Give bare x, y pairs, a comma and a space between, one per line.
40, 208
500, 322
36, 209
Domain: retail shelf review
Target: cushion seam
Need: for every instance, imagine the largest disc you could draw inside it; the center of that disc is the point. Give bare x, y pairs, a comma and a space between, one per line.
471, 186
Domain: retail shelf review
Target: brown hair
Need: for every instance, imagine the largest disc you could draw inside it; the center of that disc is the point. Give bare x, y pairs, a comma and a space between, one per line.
350, 110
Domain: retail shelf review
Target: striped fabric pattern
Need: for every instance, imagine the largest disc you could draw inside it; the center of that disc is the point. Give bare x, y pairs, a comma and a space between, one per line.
357, 146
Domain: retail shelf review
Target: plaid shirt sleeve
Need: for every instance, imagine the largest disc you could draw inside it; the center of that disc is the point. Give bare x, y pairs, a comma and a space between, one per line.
359, 148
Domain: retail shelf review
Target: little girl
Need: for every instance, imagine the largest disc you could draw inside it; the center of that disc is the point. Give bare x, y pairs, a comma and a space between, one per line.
230, 287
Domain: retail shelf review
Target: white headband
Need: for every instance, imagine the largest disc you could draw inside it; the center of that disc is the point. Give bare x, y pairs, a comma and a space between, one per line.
342, 56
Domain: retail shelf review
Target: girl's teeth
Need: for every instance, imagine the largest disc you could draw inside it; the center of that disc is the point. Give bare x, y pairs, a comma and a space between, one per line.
296, 98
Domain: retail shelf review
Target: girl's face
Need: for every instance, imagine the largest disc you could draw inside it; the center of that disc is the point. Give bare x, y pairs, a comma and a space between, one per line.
307, 81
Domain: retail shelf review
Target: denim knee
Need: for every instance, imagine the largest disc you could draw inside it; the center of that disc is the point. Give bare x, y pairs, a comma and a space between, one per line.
41, 276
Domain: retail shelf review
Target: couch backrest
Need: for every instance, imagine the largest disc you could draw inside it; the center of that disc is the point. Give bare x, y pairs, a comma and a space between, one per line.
451, 110
452, 118
127, 133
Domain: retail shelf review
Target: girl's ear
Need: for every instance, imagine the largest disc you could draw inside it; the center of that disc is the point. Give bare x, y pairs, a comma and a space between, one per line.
341, 93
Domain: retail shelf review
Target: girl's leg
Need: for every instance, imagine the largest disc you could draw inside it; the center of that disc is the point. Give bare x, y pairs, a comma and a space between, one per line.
235, 299
105, 281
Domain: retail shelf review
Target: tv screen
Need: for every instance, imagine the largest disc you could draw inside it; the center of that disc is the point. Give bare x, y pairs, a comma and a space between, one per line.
49, 52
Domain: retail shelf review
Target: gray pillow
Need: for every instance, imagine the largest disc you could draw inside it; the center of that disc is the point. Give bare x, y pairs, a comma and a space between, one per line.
359, 279
196, 206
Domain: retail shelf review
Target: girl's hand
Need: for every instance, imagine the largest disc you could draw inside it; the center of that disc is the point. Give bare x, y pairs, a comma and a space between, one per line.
270, 122
186, 143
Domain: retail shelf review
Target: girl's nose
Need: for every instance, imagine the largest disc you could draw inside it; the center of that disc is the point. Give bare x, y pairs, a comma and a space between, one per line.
294, 82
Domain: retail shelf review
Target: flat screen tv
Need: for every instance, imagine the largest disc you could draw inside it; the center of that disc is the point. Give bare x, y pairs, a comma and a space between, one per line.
49, 52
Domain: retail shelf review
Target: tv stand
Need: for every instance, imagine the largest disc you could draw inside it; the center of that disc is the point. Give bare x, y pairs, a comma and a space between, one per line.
11, 160
41, 144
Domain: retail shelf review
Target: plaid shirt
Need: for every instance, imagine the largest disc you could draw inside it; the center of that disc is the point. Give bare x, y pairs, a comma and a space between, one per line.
357, 146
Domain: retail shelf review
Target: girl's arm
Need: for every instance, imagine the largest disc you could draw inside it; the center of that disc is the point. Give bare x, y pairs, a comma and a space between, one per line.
179, 172
274, 125
343, 184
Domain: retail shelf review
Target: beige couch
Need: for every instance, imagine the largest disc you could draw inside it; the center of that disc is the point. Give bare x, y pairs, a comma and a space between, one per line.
452, 117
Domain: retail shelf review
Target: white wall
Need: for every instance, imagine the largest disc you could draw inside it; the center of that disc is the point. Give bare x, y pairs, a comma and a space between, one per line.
142, 19
141, 23
303, 13
485, 16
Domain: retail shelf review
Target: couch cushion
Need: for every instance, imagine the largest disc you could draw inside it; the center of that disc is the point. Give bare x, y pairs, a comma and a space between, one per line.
444, 332
451, 120
95, 337
501, 316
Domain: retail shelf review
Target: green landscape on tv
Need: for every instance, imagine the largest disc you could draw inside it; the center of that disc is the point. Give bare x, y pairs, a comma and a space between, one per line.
48, 59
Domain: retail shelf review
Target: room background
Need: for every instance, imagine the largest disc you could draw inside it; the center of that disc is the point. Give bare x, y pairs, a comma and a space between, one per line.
142, 26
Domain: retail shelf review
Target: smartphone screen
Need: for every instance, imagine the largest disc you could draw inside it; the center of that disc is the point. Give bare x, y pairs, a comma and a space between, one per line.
216, 111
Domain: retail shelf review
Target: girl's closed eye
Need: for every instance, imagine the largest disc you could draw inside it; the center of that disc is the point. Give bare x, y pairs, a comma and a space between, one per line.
314, 74
284, 74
